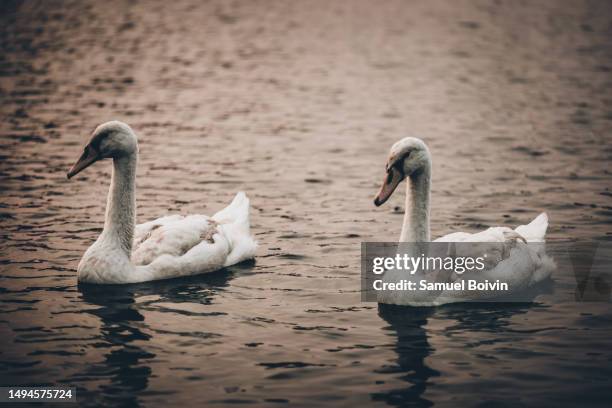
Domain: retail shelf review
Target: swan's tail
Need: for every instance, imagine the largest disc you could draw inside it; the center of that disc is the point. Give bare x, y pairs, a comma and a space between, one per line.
234, 224
238, 209
535, 230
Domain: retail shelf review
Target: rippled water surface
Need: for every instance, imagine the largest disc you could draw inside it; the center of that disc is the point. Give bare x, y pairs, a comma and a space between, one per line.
297, 103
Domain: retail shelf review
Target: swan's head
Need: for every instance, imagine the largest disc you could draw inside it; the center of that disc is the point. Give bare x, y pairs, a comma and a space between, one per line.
408, 158
110, 140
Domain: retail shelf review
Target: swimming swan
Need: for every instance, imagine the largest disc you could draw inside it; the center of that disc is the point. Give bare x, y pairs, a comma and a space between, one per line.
516, 263
169, 247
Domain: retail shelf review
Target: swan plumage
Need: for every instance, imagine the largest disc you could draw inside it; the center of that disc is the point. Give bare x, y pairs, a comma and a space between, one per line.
517, 256
168, 247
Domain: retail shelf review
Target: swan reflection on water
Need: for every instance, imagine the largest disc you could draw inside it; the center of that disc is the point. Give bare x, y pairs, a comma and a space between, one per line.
413, 342
124, 334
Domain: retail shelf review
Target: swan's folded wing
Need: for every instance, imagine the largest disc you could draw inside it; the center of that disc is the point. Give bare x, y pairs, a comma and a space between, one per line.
455, 237
508, 256
172, 236
493, 244
493, 234
143, 231
206, 256
182, 246
182, 252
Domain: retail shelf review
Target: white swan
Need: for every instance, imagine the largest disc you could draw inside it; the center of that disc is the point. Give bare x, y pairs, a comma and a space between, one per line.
168, 247
518, 264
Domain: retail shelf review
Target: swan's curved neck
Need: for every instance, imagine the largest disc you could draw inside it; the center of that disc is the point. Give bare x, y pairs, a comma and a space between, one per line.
121, 204
416, 217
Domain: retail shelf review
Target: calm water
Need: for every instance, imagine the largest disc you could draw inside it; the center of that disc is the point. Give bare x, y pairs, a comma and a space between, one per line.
297, 104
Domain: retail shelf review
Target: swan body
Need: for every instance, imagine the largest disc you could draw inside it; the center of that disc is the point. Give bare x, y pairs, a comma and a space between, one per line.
168, 247
515, 256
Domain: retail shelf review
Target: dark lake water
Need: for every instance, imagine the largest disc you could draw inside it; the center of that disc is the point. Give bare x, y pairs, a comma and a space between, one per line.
297, 104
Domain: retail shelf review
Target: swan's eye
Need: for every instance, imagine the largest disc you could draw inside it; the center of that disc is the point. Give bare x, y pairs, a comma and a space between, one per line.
399, 162
97, 139
389, 177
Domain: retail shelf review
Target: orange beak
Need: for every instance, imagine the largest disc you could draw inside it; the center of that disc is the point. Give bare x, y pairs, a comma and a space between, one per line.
390, 183
89, 157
